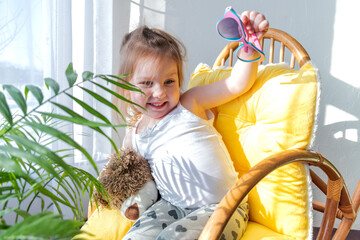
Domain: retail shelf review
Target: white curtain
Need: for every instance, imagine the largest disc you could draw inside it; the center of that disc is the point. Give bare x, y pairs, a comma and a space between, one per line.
39, 38
80, 32
20, 43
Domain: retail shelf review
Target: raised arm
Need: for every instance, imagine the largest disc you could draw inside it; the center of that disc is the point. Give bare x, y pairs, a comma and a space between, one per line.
243, 75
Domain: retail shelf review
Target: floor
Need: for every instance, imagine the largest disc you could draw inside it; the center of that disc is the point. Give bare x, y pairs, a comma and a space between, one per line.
353, 235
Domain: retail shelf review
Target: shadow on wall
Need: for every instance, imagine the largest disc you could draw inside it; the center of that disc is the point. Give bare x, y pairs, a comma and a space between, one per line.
337, 135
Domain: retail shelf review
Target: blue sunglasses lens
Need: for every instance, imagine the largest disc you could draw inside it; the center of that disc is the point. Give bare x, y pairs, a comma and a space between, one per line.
229, 28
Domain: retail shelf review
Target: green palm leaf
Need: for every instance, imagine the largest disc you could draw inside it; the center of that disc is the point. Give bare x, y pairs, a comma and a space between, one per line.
4, 109
60, 135
36, 91
6, 197
89, 109
103, 100
9, 164
49, 82
37, 187
117, 95
43, 151
43, 226
121, 78
91, 179
81, 121
17, 96
127, 85
87, 75
19, 153
71, 75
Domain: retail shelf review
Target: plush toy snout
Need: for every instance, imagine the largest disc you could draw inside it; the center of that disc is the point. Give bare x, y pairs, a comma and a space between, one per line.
136, 204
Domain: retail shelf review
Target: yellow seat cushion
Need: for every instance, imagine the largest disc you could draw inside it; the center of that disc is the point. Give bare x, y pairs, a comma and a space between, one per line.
105, 224
258, 231
276, 114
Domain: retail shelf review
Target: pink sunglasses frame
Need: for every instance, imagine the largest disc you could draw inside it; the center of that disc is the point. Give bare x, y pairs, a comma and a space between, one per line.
240, 36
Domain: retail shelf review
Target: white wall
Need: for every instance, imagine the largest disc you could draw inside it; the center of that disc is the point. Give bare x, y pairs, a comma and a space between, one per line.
328, 29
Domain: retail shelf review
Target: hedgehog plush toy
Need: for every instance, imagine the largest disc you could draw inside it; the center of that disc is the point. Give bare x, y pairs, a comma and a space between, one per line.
129, 184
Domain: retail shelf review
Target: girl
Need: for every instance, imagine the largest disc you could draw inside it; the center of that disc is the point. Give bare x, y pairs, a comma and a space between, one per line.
190, 164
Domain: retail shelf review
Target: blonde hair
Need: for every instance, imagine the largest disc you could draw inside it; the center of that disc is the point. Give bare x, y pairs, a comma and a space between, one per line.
145, 41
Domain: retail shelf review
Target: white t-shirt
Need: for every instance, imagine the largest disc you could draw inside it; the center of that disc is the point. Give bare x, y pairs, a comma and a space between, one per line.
189, 161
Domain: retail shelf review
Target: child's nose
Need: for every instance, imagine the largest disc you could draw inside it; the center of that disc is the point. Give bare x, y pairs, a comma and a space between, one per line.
159, 92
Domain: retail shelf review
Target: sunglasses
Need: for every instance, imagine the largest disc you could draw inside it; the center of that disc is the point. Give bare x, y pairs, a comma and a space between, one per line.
231, 28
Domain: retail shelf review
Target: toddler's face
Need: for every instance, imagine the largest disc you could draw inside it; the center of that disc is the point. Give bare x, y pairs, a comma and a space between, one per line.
158, 78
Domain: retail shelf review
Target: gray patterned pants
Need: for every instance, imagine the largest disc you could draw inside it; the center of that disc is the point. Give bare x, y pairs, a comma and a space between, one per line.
163, 221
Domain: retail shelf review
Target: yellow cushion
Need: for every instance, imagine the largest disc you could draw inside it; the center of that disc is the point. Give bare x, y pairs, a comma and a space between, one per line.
258, 231
276, 114
105, 224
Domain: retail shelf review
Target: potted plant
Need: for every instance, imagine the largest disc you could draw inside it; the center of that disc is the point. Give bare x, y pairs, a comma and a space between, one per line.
32, 173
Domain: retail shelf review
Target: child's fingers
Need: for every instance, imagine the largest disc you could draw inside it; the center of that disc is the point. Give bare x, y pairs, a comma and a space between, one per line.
246, 20
253, 16
245, 13
254, 22
245, 17
258, 18
250, 20
246, 23
264, 26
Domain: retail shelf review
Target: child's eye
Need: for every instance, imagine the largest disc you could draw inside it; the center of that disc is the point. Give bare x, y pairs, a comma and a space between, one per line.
169, 82
147, 83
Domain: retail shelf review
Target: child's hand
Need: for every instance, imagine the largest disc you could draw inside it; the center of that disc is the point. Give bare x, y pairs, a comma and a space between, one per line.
255, 22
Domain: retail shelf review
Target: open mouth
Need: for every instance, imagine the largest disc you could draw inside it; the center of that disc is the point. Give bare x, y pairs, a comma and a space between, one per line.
157, 105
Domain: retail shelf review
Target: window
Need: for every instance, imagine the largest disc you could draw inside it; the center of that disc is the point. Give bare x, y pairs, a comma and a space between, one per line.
21, 57
39, 38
